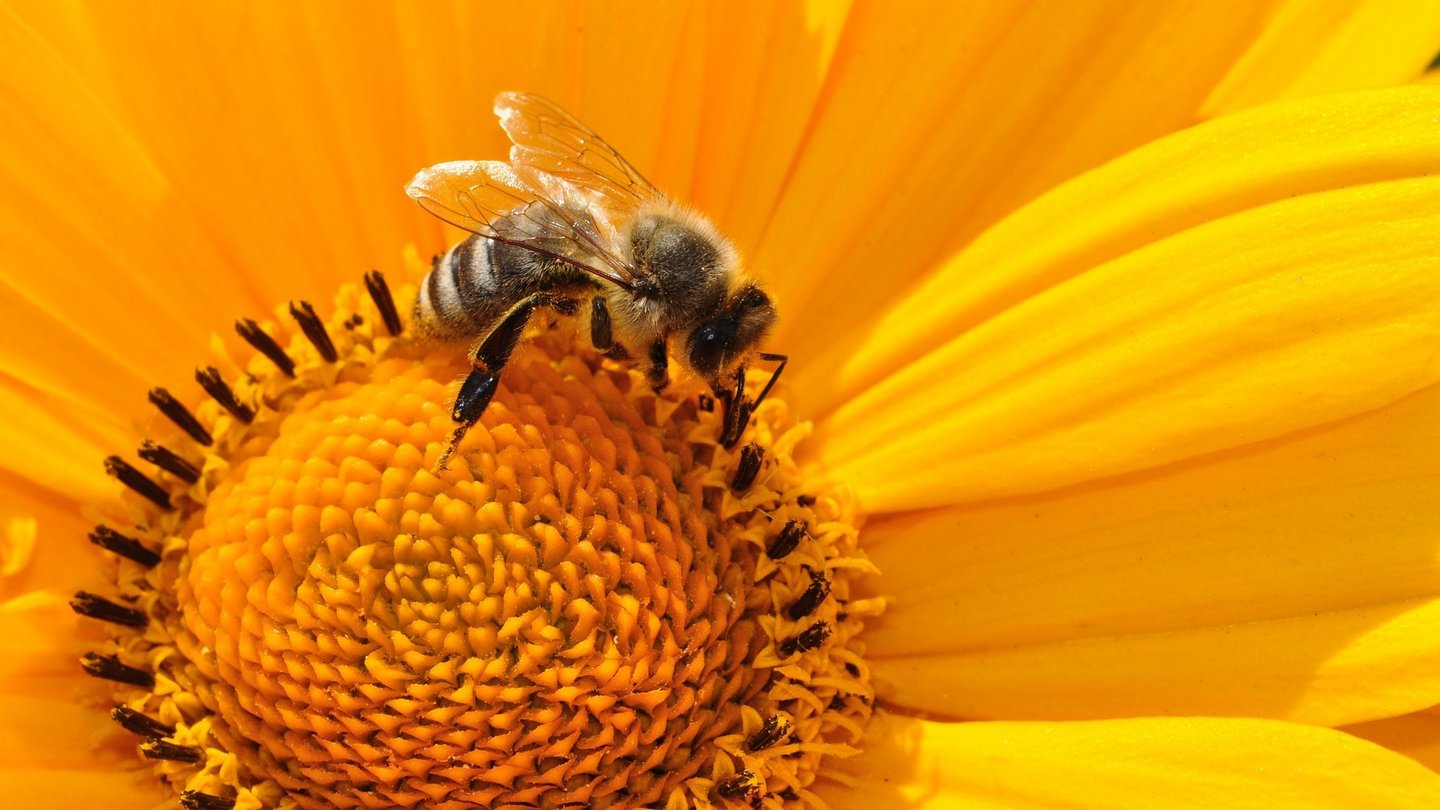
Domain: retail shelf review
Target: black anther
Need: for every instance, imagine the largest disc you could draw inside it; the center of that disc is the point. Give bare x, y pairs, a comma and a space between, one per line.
141, 724
749, 466
786, 541
818, 589
120, 469
195, 800
266, 345
110, 668
98, 607
806, 640
156, 748
775, 729
314, 329
177, 413
209, 379
380, 294
166, 459
743, 785
127, 547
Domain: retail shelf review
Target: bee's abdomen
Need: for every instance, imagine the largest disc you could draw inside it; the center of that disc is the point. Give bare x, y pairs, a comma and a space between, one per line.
458, 298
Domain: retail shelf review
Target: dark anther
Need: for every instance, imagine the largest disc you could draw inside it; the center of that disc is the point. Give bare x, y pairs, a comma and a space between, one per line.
852, 669
220, 391
195, 800
818, 589
380, 294
156, 748
706, 403
805, 501
110, 668
166, 459
120, 469
786, 541
743, 785
806, 640
775, 729
127, 547
141, 724
266, 345
98, 607
183, 419
314, 328
750, 457
788, 795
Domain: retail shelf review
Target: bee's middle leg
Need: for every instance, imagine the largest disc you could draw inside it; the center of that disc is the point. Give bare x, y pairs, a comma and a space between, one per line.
657, 369
488, 360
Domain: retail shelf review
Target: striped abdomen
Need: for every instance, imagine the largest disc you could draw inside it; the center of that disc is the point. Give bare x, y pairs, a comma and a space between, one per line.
464, 295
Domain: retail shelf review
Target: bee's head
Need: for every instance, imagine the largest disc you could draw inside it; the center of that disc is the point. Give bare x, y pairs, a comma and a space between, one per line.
717, 345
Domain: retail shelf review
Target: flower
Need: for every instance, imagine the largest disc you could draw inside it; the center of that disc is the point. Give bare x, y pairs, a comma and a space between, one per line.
1142, 417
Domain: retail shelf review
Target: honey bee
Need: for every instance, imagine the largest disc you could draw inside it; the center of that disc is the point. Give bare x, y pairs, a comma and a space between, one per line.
568, 221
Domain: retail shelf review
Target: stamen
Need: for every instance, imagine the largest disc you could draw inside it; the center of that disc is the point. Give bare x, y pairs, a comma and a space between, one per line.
110, 668
380, 294
127, 547
812, 597
166, 459
209, 379
750, 457
141, 724
177, 413
744, 786
314, 329
777, 728
195, 800
266, 345
705, 403
98, 607
806, 640
157, 748
786, 541
137, 481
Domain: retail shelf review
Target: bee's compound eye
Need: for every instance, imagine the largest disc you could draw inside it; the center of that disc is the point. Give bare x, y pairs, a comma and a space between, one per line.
708, 346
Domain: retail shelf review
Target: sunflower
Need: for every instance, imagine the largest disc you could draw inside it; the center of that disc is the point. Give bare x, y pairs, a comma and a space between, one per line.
1106, 460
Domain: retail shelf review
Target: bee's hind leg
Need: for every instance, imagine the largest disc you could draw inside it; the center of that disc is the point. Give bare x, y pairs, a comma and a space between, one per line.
488, 359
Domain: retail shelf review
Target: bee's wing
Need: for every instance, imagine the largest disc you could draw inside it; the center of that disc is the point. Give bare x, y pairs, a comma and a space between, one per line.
488, 198
550, 141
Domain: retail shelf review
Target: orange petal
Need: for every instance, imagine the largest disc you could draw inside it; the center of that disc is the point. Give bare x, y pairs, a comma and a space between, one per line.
938, 119
1416, 735
1296, 579
1262, 274
61, 559
81, 787
1311, 48
1189, 762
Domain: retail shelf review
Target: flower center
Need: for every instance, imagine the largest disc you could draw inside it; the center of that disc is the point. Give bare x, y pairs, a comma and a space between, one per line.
593, 604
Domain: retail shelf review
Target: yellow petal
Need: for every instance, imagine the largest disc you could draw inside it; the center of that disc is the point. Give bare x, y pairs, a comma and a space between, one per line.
1295, 579
1152, 763
938, 119
1310, 48
1416, 735
1261, 274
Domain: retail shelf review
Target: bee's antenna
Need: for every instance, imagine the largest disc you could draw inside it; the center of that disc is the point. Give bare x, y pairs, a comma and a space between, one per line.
782, 359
